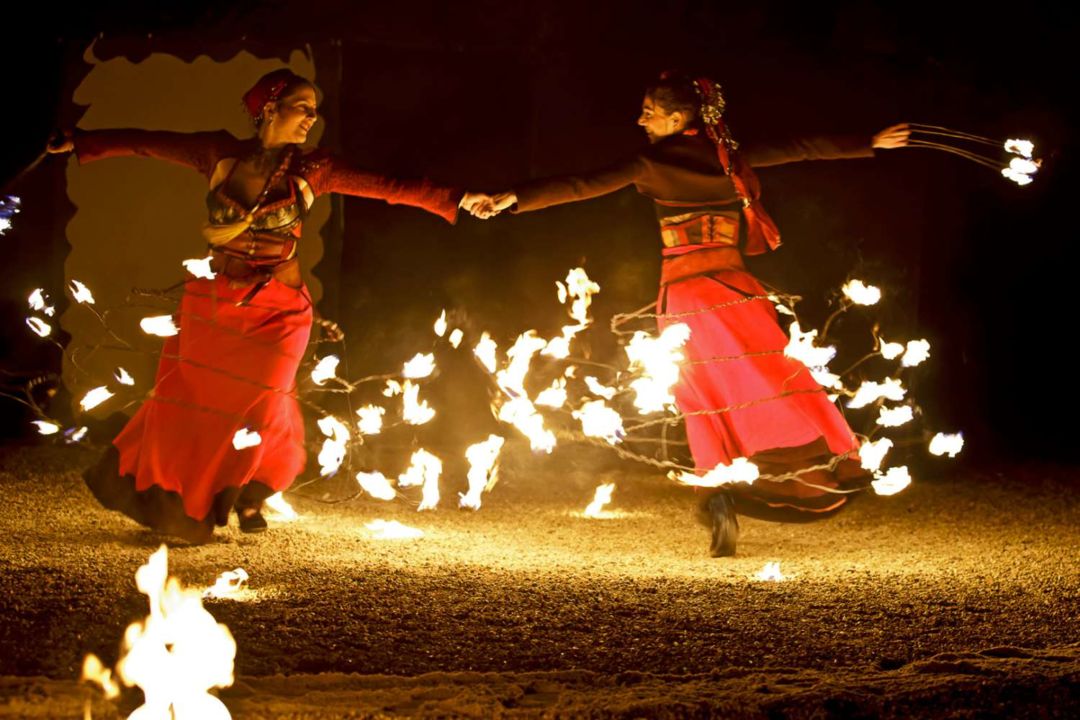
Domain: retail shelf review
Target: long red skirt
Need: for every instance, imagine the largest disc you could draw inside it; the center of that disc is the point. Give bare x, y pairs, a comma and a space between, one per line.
755, 402
174, 466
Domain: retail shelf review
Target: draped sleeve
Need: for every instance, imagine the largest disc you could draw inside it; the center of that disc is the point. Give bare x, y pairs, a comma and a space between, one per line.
200, 151
537, 194
824, 147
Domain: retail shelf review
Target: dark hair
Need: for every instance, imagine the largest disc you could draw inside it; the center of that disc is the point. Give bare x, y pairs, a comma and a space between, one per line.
271, 87
674, 92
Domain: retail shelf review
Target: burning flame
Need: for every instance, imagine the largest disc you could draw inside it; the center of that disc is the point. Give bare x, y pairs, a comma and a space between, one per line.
861, 294
512, 377
521, 413
325, 369
123, 377
160, 325
37, 300
244, 438
176, 655
872, 454
77, 434
598, 420
376, 485
945, 444
892, 482
659, 359
281, 507
599, 389
554, 396
334, 447
424, 470
581, 289
917, 352
420, 366
895, 417
601, 498
485, 352
870, 391
40, 327
456, 337
770, 573
95, 397
393, 530
740, 470
81, 293
46, 428
228, 583
801, 347
413, 410
200, 267
393, 387
371, 419
93, 671
891, 350
1023, 148
483, 471
440, 324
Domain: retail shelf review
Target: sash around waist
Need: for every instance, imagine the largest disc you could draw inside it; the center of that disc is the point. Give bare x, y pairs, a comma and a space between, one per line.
688, 261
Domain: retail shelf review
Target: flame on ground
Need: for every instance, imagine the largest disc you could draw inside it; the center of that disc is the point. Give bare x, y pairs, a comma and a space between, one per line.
770, 573
228, 583
602, 497
281, 507
176, 655
483, 470
393, 530
376, 485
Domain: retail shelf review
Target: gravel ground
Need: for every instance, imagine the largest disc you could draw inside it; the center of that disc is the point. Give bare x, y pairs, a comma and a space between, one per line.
956, 598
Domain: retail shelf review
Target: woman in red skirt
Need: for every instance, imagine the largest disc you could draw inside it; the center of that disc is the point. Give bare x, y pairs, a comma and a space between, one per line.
232, 366
740, 395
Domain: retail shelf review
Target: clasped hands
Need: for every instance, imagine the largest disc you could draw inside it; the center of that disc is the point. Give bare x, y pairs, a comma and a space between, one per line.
484, 206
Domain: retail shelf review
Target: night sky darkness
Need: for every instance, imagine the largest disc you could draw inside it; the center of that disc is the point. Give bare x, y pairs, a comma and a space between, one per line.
484, 94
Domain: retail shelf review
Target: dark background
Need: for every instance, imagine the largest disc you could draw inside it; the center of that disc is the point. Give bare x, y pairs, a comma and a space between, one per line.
483, 94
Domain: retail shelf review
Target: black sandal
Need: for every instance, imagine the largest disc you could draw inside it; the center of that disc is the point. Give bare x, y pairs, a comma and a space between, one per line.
251, 523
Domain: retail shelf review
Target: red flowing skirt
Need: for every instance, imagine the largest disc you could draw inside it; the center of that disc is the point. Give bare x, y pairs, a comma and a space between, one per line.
230, 368
742, 397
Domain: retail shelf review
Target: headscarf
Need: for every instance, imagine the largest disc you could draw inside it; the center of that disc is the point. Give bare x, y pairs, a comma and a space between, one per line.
761, 232
268, 89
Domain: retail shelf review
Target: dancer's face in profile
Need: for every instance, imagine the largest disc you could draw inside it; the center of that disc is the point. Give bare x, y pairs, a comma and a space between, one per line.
659, 123
292, 117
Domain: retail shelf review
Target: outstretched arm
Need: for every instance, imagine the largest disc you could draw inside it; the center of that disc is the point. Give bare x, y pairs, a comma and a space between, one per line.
199, 151
825, 147
332, 174
538, 194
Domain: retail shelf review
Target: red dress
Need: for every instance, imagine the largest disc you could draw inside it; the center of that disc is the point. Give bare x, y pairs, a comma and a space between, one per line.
242, 336
742, 397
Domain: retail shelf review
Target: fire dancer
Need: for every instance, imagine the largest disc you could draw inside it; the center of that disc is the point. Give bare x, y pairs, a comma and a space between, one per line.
231, 370
740, 395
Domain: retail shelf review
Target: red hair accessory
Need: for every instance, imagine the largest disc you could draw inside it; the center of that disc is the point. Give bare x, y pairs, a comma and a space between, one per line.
268, 89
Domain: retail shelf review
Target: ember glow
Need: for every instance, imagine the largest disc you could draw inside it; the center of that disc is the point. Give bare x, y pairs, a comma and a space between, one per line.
872, 454
335, 446
740, 470
483, 470
200, 267
228, 583
861, 294
892, 482
45, 427
176, 655
325, 370
414, 411
95, 397
600, 421
244, 438
658, 359
440, 324
393, 530
870, 392
917, 353
123, 377
770, 573
281, 507
81, 293
160, 325
376, 485
895, 417
420, 366
601, 498
945, 444
485, 352
371, 419
39, 326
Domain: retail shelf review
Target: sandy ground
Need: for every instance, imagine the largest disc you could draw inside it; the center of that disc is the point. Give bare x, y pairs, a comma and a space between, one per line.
957, 598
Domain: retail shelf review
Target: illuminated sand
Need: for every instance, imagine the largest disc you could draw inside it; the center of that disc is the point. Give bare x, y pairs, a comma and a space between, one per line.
959, 593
